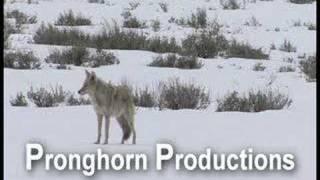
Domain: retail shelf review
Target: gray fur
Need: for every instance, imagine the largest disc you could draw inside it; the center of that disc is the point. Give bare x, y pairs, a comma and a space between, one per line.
110, 101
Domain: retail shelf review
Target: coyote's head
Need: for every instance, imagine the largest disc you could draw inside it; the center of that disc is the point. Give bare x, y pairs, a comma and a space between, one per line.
89, 83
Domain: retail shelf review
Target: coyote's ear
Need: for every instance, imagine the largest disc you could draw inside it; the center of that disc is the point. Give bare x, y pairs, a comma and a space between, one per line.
87, 73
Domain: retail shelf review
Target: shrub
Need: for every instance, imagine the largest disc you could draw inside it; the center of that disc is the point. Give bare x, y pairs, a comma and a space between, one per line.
126, 14
206, 44
69, 19
155, 25
58, 57
118, 39
252, 22
162, 45
32, 1
115, 38
310, 26
177, 95
47, 98
77, 55
74, 101
171, 20
42, 97
287, 47
96, 1
259, 67
101, 58
21, 18
164, 61
309, 67
145, 98
172, 60
288, 59
297, 23
163, 6
32, 20
111, 39
182, 21
198, 20
133, 5
62, 66
8, 29
19, 100
254, 101
133, 22
244, 50
286, 69
20, 60
52, 35
273, 46
172, 94
219, 66
80, 56
302, 1
229, 4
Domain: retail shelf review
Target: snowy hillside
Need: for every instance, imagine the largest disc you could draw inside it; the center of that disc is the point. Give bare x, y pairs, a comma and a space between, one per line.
264, 25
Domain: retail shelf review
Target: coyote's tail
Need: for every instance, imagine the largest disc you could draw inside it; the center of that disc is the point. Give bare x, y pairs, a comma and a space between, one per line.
126, 122
126, 128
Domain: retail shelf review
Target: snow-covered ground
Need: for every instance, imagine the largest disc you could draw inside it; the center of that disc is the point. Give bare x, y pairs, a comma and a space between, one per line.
73, 128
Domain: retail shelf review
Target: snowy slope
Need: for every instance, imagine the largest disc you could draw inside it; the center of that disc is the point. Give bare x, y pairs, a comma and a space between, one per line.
72, 129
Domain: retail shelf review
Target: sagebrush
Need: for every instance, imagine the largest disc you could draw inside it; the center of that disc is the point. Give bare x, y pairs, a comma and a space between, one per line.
230, 4
286, 69
197, 20
8, 29
77, 55
302, 1
72, 100
287, 46
19, 100
206, 44
145, 97
69, 19
21, 18
175, 95
155, 25
113, 38
173, 60
259, 67
21, 60
309, 67
42, 97
163, 6
80, 56
253, 101
244, 50
133, 22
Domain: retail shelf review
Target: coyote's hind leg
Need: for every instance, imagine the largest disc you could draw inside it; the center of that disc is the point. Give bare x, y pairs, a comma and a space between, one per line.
133, 134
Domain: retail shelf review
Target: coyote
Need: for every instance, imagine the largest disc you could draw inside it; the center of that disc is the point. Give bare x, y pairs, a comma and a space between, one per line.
110, 101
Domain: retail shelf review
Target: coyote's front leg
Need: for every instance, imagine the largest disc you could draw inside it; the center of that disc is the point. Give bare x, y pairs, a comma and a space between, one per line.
107, 127
99, 117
